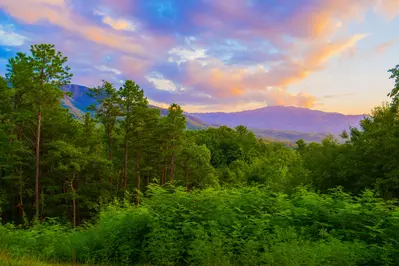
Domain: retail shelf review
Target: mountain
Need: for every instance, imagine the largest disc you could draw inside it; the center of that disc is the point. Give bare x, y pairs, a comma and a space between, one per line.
290, 136
79, 102
192, 122
284, 118
275, 123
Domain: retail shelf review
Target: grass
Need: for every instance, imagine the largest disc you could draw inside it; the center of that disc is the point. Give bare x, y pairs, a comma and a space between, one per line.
7, 260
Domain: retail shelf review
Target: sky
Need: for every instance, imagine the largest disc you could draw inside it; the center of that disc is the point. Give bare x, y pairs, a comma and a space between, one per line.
220, 55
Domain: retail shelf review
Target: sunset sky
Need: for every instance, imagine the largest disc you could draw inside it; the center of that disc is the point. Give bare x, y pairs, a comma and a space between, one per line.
220, 55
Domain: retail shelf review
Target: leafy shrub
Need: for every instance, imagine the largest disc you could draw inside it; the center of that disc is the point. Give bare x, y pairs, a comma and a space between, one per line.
241, 226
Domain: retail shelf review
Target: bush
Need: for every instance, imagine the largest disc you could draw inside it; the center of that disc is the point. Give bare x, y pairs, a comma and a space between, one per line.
241, 226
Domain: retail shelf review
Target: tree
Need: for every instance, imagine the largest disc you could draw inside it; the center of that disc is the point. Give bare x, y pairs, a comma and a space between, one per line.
107, 112
152, 154
41, 76
195, 163
19, 75
175, 125
20, 80
395, 76
68, 162
133, 106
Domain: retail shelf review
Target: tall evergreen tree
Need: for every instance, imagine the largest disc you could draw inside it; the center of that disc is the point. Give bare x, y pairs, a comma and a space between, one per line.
107, 112
41, 76
133, 105
175, 126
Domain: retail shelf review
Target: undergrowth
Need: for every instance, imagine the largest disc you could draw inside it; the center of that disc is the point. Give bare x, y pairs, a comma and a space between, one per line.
242, 226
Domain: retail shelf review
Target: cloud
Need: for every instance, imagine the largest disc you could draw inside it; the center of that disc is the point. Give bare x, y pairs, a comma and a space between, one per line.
9, 38
280, 96
382, 47
108, 69
233, 83
116, 23
161, 83
180, 54
58, 13
333, 96
389, 8
329, 50
220, 54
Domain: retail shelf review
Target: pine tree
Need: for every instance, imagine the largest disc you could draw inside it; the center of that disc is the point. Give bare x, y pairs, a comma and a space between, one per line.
133, 106
175, 126
40, 76
107, 112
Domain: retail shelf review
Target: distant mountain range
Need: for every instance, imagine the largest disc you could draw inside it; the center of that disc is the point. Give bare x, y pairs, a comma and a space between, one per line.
272, 123
284, 118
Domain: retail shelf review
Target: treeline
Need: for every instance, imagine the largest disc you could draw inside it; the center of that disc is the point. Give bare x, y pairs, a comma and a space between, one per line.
53, 165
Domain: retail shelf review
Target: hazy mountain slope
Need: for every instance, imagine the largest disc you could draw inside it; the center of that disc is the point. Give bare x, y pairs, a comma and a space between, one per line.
79, 102
289, 136
79, 99
192, 122
284, 118
286, 124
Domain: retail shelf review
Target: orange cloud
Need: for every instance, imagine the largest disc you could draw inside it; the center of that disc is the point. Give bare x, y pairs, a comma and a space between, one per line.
315, 19
389, 8
116, 23
134, 66
231, 82
282, 97
321, 55
381, 48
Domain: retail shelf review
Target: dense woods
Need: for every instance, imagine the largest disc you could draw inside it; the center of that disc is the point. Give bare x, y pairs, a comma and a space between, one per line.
139, 187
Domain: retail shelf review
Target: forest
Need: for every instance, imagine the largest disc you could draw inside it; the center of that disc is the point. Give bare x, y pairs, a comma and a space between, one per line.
126, 186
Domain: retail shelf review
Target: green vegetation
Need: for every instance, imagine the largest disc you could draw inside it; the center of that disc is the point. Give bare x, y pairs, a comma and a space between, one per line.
129, 186
242, 226
289, 137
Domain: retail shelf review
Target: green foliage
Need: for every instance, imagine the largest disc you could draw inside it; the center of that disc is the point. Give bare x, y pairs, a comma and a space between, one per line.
395, 76
246, 226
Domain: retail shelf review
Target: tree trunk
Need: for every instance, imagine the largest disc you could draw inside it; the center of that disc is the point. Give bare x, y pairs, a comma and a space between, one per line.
21, 204
74, 211
71, 184
147, 180
110, 155
137, 177
125, 165
39, 119
42, 205
20, 132
187, 178
162, 174
163, 181
172, 167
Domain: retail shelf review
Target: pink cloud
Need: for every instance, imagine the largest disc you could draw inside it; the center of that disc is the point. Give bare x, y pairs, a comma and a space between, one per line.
389, 8
300, 37
232, 83
381, 48
58, 13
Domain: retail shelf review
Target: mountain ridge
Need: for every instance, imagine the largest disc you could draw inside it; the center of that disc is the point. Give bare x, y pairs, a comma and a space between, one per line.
287, 118
280, 107
285, 123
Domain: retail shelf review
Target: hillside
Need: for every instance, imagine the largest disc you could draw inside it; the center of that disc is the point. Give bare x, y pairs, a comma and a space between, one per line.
276, 123
79, 102
289, 136
284, 118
